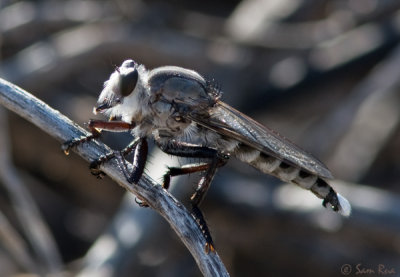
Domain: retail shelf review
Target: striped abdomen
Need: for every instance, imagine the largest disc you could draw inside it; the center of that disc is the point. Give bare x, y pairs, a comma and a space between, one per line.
290, 173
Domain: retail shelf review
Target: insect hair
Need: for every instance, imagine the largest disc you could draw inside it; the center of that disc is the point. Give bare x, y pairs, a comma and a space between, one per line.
214, 88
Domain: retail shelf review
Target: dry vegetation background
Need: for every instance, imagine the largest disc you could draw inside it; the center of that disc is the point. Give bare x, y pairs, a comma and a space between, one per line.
324, 73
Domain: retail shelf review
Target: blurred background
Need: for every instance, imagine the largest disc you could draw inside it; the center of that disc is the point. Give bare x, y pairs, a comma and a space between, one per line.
325, 74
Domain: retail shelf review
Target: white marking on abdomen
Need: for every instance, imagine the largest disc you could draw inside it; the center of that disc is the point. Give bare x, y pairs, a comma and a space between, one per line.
261, 161
287, 173
266, 164
305, 182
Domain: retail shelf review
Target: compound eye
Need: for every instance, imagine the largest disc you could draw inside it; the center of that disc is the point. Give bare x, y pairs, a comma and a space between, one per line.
127, 82
128, 64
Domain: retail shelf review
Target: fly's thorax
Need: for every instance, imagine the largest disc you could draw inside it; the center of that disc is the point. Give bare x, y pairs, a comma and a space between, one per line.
185, 89
164, 135
173, 126
191, 133
164, 120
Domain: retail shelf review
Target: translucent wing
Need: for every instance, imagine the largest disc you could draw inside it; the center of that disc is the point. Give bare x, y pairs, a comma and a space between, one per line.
229, 122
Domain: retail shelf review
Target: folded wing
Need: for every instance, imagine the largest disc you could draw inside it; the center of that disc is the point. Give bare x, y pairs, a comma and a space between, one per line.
233, 124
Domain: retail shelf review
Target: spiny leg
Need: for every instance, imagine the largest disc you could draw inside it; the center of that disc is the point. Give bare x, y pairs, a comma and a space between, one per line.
198, 197
95, 126
199, 194
66, 146
183, 170
206, 180
198, 216
194, 151
183, 149
94, 165
187, 150
139, 162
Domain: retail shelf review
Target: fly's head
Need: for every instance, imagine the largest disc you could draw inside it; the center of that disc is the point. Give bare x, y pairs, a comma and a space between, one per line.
123, 86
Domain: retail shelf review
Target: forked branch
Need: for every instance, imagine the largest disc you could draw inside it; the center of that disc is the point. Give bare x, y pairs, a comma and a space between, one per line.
63, 129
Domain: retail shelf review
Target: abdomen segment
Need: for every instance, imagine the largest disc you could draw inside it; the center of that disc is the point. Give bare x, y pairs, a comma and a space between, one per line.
290, 173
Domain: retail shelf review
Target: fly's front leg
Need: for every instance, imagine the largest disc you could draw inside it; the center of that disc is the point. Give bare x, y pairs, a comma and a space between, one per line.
194, 151
95, 127
66, 146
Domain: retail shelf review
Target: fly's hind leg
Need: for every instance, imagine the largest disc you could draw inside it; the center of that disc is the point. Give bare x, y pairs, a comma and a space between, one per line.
183, 170
183, 149
198, 197
194, 151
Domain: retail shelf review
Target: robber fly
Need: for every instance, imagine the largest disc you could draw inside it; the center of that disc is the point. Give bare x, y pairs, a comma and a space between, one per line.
184, 115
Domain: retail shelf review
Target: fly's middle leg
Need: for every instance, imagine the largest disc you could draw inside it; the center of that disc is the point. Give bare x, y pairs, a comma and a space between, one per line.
94, 165
139, 162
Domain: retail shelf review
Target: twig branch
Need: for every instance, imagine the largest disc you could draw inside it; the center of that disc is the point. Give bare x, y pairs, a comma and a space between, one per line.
63, 129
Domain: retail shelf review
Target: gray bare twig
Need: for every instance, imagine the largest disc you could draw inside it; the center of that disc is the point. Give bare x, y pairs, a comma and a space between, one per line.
63, 129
